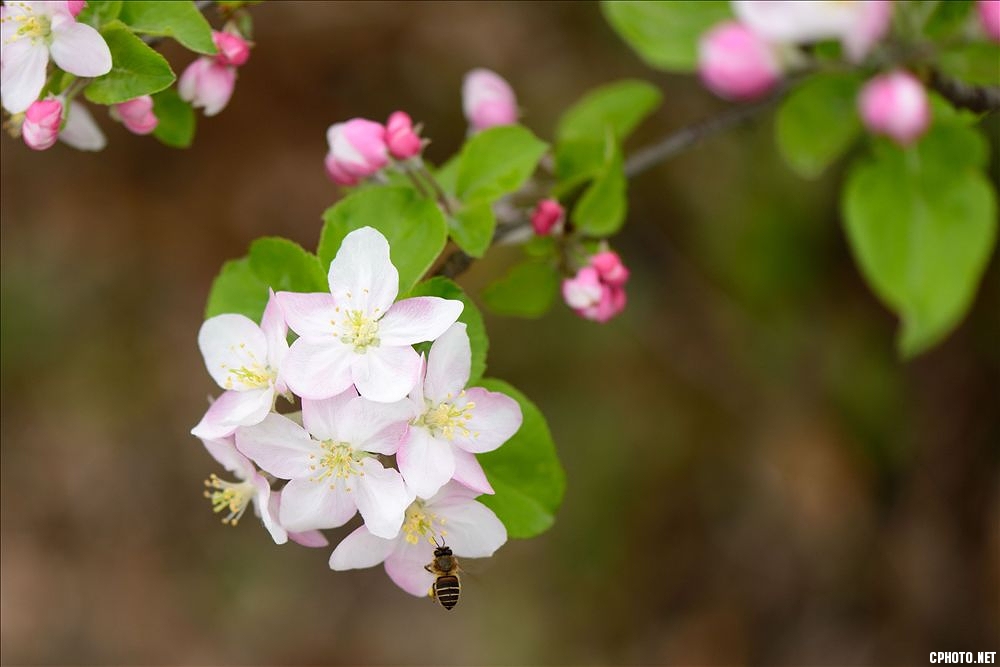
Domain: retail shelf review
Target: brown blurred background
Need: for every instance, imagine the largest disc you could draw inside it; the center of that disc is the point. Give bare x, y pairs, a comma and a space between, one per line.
753, 476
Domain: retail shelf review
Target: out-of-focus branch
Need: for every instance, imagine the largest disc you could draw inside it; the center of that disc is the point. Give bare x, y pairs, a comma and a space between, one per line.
981, 99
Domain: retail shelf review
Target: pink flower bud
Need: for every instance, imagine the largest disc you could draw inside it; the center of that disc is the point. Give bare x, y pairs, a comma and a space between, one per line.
136, 115
548, 214
610, 268
989, 17
75, 6
402, 142
233, 49
895, 104
41, 123
357, 150
736, 64
207, 83
591, 296
488, 100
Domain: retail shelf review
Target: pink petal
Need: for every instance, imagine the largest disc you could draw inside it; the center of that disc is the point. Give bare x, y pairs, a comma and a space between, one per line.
360, 549
230, 343
272, 324
307, 505
418, 319
266, 507
469, 472
471, 529
22, 73
225, 453
311, 315
322, 418
279, 446
374, 427
361, 275
309, 538
426, 463
449, 364
78, 48
81, 130
318, 370
382, 499
234, 409
405, 566
495, 418
385, 374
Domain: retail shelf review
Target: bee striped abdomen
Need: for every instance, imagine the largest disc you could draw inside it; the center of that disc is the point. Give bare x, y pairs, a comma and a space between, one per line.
446, 590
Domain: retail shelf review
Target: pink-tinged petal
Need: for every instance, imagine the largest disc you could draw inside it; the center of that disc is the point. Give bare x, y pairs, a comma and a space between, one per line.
311, 316
374, 427
279, 446
322, 418
81, 130
452, 492
417, 320
426, 463
385, 374
232, 345
360, 549
78, 48
309, 538
22, 73
361, 275
471, 529
495, 418
275, 330
307, 505
225, 453
469, 472
405, 566
449, 364
382, 498
207, 84
318, 370
266, 507
234, 409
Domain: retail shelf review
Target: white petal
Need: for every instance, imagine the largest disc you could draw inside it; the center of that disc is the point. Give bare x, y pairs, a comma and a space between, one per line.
312, 315
469, 472
417, 320
360, 549
495, 418
275, 330
78, 48
318, 370
309, 538
81, 130
382, 499
266, 507
385, 374
279, 446
425, 462
374, 427
471, 528
22, 73
232, 344
322, 418
309, 505
234, 409
405, 566
449, 364
225, 453
361, 275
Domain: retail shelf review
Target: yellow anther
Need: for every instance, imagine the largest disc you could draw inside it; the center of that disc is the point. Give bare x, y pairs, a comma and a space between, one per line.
446, 419
419, 523
340, 461
231, 496
360, 331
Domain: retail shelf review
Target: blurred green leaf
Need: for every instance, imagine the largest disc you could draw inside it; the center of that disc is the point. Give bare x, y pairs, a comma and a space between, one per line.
176, 119
237, 289
473, 319
948, 17
526, 291
922, 225
414, 226
818, 122
496, 162
525, 472
472, 227
578, 161
98, 12
136, 69
284, 265
977, 63
601, 210
620, 106
179, 19
665, 33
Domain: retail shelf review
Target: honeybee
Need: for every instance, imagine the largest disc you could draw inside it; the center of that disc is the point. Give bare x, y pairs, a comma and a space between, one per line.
446, 587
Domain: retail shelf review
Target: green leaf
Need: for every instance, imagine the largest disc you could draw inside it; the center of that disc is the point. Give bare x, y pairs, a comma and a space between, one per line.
665, 33
472, 228
818, 122
620, 106
473, 319
601, 210
414, 226
947, 18
176, 119
922, 225
496, 162
237, 289
525, 472
526, 291
977, 63
179, 19
447, 174
284, 265
580, 160
136, 69
96, 13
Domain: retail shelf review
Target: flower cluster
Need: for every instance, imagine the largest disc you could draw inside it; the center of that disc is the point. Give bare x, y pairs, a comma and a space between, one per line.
368, 399
597, 291
209, 81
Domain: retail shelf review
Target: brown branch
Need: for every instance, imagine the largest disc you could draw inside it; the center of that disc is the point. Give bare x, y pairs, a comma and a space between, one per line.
980, 99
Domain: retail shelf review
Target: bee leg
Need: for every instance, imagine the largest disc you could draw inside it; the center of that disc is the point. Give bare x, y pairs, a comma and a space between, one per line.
428, 568
431, 594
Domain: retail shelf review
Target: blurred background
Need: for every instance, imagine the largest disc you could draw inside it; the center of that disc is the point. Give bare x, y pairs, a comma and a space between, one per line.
753, 475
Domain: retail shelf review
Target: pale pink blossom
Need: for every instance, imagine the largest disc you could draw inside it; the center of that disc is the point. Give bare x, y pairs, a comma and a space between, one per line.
989, 18
357, 150
736, 64
451, 517
233, 49
488, 100
31, 33
400, 137
207, 83
331, 463
244, 359
355, 334
81, 130
136, 115
895, 104
547, 217
451, 424
40, 128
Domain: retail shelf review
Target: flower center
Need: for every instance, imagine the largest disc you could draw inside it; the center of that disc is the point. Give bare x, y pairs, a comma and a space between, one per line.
339, 460
232, 496
29, 25
253, 374
446, 419
360, 331
419, 523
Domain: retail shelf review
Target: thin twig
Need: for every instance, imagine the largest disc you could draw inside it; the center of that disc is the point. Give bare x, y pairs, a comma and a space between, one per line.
981, 99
